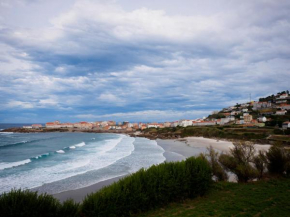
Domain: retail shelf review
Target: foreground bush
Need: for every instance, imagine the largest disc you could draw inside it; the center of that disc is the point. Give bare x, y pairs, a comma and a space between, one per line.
27, 203
239, 161
278, 160
150, 188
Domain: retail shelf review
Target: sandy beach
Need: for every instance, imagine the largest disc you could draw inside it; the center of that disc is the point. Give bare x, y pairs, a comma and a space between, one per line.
175, 150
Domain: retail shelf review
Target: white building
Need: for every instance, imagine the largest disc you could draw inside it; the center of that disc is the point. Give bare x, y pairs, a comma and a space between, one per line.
185, 123
225, 121
282, 112
286, 125
27, 127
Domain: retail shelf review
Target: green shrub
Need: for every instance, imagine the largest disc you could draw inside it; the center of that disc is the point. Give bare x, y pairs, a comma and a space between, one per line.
239, 160
69, 208
147, 189
278, 160
27, 203
260, 161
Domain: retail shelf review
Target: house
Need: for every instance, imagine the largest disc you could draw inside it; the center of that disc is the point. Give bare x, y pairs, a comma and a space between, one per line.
233, 113
104, 124
83, 125
27, 127
239, 122
106, 127
206, 123
155, 125
167, 124
245, 110
281, 112
143, 127
53, 125
267, 111
225, 121
248, 118
185, 123
111, 123
36, 126
261, 105
227, 114
174, 124
283, 96
284, 106
286, 125
279, 101
262, 119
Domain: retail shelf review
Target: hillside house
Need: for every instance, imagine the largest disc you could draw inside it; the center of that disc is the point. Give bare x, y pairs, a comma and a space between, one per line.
261, 105
248, 118
286, 125
284, 106
281, 112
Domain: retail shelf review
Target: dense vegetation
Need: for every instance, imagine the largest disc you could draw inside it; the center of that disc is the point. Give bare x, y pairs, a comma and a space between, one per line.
257, 135
248, 164
151, 188
26, 203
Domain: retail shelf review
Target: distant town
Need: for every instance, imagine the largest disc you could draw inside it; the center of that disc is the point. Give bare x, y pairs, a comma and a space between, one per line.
252, 114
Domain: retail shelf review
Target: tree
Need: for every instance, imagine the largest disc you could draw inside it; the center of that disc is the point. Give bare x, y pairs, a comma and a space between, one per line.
278, 160
239, 161
217, 170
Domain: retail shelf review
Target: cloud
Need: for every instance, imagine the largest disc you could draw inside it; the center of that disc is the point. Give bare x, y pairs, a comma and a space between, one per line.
147, 115
19, 104
114, 57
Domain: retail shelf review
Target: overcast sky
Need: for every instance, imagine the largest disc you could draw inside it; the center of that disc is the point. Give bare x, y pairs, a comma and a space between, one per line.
88, 60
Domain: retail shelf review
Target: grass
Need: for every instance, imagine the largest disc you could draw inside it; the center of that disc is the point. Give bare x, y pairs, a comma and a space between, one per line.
263, 198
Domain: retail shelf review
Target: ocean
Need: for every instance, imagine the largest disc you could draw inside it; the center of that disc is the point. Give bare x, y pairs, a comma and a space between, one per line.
57, 162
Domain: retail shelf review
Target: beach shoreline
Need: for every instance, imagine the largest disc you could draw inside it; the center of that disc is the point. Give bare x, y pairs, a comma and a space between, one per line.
174, 150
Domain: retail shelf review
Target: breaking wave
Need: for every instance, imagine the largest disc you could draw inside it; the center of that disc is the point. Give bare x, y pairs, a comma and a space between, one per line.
13, 164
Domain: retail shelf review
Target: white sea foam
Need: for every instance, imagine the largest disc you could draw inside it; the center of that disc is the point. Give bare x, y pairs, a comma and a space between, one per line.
40, 156
80, 144
60, 151
13, 164
6, 133
95, 156
72, 147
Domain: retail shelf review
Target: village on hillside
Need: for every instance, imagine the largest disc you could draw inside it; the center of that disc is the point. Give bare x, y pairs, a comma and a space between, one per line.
273, 111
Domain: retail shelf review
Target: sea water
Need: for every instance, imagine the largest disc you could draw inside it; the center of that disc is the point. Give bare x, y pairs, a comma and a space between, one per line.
57, 162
